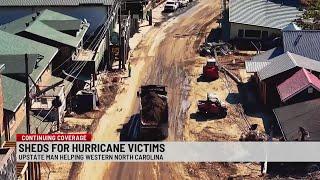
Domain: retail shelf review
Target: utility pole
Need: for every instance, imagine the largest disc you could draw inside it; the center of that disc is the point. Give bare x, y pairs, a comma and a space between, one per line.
27, 94
30, 166
120, 43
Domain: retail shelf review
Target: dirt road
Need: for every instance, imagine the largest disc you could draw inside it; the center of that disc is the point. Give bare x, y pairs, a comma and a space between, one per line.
169, 52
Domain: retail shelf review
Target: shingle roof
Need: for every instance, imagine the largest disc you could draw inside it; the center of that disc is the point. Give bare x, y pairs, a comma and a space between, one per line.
297, 83
265, 13
285, 62
305, 114
13, 90
54, 2
260, 61
49, 25
305, 43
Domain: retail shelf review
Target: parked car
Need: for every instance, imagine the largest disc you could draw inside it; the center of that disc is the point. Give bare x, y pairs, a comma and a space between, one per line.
183, 3
171, 6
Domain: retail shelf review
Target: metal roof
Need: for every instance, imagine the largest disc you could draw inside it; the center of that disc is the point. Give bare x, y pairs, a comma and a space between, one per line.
49, 24
298, 82
261, 60
292, 27
264, 13
305, 114
13, 90
305, 43
55, 2
285, 62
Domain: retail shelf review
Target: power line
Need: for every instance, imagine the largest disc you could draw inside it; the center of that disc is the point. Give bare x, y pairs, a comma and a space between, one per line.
81, 65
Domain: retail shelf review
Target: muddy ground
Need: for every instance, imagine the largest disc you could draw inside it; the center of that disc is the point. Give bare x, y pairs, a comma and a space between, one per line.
168, 55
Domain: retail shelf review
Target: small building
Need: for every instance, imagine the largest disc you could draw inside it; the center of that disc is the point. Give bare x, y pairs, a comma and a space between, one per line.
270, 74
54, 29
261, 19
305, 43
302, 86
256, 63
102, 14
94, 11
12, 54
300, 121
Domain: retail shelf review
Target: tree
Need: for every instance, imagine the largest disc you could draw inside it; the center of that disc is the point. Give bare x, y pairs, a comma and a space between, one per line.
311, 17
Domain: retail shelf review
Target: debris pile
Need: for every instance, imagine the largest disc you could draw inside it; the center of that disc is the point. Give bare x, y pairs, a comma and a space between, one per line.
210, 48
153, 107
253, 134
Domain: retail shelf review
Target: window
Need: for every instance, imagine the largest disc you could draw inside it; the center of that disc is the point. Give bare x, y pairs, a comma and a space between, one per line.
310, 90
240, 33
253, 33
265, 34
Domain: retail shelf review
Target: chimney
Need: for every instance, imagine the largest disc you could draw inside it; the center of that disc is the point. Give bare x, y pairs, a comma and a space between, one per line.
27, 24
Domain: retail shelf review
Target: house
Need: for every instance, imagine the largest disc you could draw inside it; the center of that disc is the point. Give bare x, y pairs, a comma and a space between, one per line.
276, 70
261, 19
300, 121
1, 103
302, 86
259, 61
12, 54
102, 14
94, 11
305, 43
54, 29
301, 42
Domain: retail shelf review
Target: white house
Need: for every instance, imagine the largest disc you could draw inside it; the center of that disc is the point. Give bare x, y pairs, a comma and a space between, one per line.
261, 19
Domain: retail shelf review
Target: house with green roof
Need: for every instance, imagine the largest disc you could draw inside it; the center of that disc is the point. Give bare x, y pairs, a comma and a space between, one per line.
54, 29
12, 53
94, 11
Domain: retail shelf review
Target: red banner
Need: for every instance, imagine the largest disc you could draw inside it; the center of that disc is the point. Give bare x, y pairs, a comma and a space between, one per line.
54, 137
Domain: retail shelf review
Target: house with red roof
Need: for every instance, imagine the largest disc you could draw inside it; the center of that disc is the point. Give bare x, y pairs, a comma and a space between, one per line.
277, 70
301, 86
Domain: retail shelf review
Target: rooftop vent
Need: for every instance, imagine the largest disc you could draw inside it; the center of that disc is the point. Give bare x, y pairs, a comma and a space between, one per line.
34, 18
27, 24
38, 13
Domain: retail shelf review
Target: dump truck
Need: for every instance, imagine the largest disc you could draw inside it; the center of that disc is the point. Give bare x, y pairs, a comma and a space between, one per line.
153, 112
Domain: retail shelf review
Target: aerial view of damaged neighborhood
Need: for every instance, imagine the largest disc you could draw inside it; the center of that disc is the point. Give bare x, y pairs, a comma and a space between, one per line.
164, 71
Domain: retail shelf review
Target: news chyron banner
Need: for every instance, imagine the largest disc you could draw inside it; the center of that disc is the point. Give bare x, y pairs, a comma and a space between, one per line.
80, 148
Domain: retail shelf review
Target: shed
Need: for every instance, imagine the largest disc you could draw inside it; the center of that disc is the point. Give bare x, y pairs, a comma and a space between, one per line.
305, 43
302, 86
300, 115
94, 11
278, 70
49, 25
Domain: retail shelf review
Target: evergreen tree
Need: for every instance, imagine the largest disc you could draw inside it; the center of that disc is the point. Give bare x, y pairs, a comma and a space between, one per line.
311, 17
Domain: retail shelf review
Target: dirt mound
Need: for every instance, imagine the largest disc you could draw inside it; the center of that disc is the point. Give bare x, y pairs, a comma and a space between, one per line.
153, 107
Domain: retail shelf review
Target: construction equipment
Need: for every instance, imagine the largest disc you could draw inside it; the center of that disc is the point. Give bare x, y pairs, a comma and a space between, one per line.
153, 111
212, 106
211, 70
